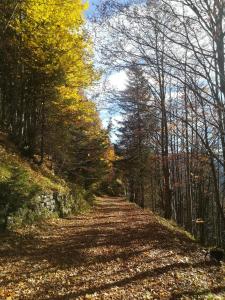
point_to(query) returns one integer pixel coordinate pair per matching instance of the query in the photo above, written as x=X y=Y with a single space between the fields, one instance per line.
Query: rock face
x=42 y=205
x=63 y=204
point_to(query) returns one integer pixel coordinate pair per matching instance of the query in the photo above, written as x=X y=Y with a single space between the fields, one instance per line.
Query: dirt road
x=117 y=251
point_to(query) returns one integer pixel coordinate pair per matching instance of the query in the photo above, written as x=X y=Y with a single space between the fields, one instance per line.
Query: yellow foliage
x=56 y=49
x=53 y=32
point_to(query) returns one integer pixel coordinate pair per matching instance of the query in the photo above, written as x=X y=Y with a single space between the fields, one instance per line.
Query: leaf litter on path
x=118 y=251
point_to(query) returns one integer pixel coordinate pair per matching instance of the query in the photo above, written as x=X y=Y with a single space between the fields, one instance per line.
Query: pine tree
x=136 y=127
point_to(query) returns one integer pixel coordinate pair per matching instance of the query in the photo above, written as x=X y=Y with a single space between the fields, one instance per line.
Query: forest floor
x=117 y=251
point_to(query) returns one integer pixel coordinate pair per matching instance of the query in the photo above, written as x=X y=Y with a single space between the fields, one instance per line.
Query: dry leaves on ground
x=118 y=251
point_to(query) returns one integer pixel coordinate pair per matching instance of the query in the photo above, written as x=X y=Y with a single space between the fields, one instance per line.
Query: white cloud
x=118 y=80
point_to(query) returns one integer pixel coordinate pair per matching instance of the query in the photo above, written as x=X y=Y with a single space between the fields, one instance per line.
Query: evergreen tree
x=135 y=132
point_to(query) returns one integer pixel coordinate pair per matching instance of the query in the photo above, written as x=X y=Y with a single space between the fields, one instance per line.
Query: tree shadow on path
x=117 y=246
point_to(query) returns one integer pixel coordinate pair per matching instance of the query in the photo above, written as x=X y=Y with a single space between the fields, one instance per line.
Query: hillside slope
x=29 y=192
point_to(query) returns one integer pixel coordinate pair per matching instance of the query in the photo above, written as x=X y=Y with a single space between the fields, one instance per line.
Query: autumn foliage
x=46 y=64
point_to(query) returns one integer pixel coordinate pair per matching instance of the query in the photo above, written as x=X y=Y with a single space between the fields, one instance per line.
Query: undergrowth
x=20 y=184
x=173 y=226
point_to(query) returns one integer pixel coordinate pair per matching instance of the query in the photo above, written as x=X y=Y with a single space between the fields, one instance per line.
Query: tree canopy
x=46 y=62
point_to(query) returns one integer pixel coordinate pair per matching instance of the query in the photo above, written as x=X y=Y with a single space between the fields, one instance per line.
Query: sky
x=116 y=81
x=92 y=4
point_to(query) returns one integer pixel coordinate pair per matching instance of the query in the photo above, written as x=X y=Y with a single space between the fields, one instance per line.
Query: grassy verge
x=20 y=185
x=172 y=226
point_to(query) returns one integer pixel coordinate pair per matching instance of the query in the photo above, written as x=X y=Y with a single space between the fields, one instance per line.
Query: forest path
x=117 y=251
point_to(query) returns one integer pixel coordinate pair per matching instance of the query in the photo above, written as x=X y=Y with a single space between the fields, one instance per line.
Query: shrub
x=15 y=193
x=26 y=216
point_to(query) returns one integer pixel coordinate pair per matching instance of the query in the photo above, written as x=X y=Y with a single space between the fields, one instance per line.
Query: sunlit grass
x=11 y=164
x=172 y=225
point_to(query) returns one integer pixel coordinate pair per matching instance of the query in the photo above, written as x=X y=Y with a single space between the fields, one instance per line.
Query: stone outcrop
x=63 y=204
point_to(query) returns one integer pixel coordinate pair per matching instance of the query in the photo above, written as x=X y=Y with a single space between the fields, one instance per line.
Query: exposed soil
x=117 y=251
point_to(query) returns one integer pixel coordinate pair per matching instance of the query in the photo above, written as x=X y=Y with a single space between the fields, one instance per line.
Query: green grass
x=11 y=165
x=172 y=226
x=21 y=183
